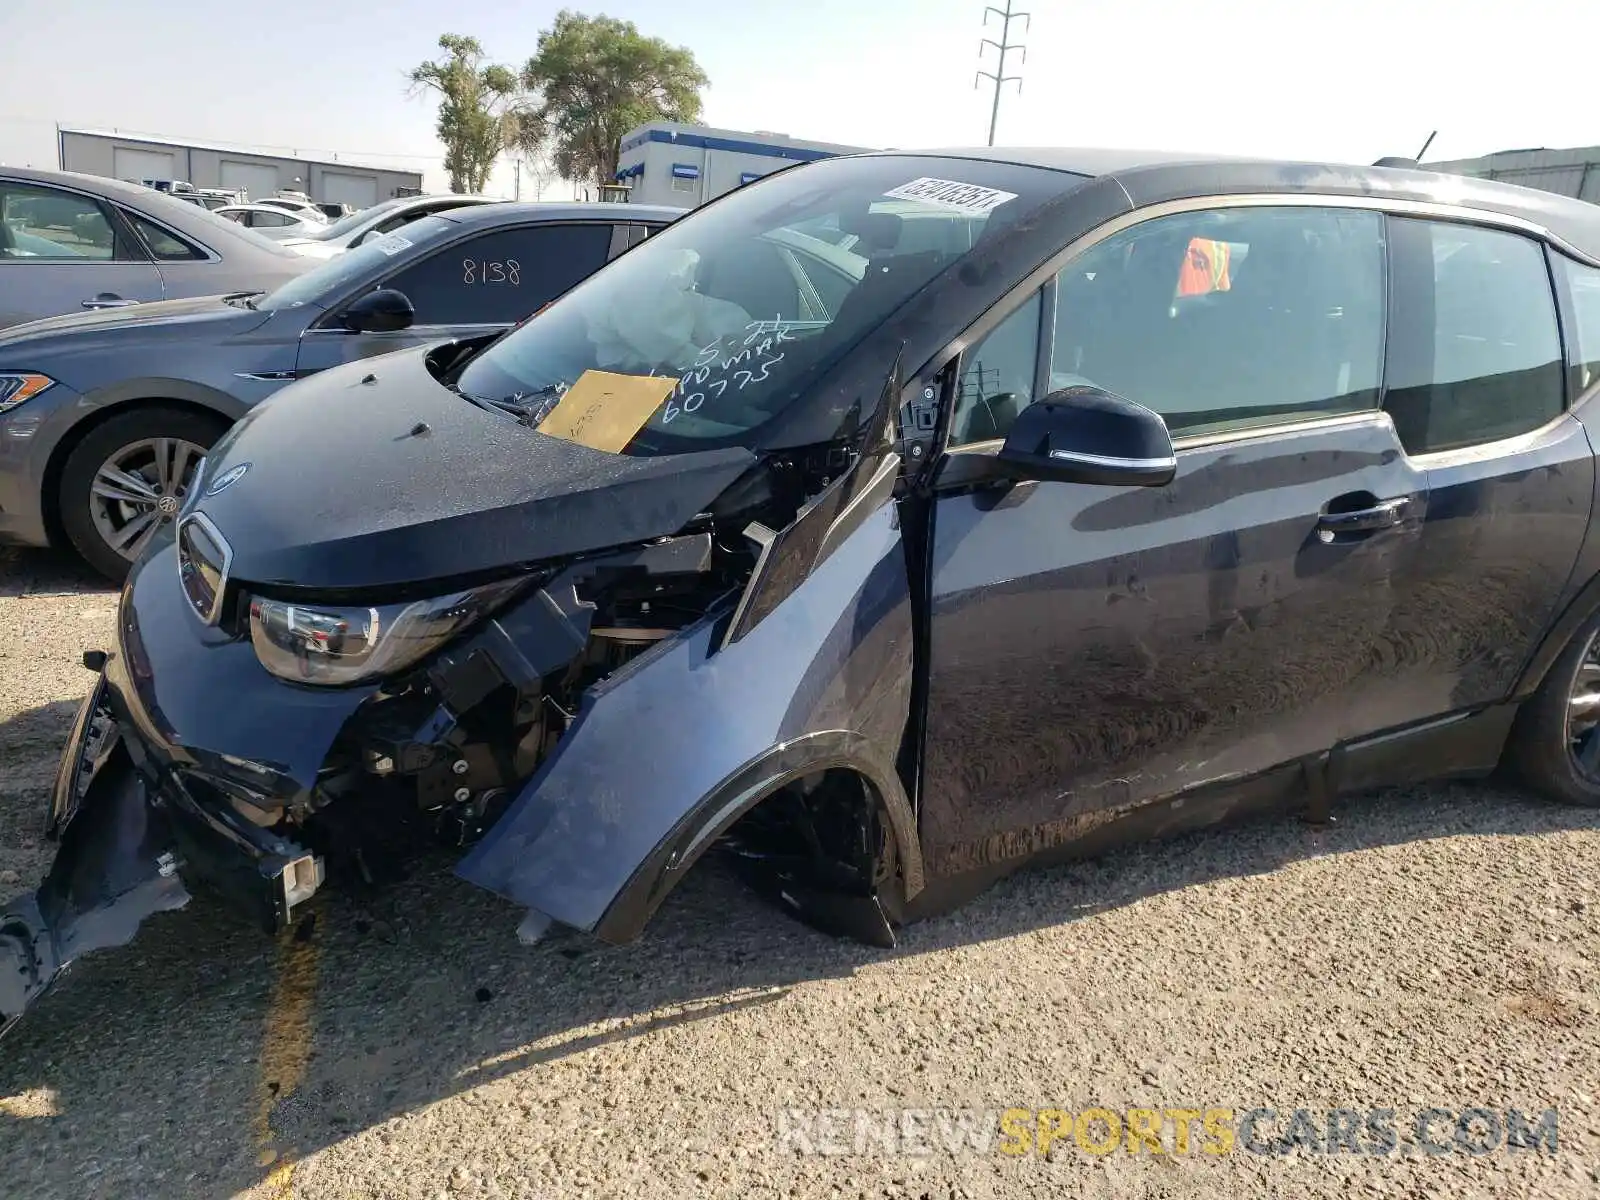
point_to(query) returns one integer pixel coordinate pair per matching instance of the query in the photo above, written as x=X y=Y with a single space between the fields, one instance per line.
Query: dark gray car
x=105 y=415
x=1114 y=495
x=70 y=242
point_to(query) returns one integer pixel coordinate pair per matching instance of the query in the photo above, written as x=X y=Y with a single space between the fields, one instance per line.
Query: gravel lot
x=1438 y=947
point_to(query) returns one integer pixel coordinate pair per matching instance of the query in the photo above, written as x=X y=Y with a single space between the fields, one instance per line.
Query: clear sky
x=1350 y=81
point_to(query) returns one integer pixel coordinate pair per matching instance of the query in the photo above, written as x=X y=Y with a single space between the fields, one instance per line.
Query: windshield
x=327 y=282
x=715 y=325
x=346 y=223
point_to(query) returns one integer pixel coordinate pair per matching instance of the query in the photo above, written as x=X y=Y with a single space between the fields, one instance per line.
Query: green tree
x=476 y=100
x=594 y=78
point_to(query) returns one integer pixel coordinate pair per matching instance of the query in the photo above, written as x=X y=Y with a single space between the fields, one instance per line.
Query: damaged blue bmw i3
x=887 y=524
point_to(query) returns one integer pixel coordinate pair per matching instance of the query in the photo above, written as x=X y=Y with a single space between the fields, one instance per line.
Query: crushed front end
x=600 y=718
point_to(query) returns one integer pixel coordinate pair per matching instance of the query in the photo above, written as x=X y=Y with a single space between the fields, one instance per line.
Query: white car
x=295 y=206
x=270 y=221
x=335 y=239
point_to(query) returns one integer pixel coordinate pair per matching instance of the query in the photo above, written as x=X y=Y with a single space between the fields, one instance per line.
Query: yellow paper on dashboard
x=603 y=410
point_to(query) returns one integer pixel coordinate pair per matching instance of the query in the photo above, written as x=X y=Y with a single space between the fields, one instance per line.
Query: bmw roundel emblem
x=227 y=479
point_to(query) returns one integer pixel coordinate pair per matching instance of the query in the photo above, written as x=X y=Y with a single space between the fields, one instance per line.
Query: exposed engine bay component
x=467 y=729
x=357 y=777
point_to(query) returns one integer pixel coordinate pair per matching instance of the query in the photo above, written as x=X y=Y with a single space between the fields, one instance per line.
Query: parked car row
x=122 y=405
x=215 y=198
x=375 y=221
x=889 y=523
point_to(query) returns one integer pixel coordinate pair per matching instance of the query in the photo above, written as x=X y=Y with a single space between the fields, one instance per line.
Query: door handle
x=108 y=300
x=1385 y=514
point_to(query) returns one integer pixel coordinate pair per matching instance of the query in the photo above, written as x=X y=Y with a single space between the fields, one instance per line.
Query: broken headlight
x=336 y=645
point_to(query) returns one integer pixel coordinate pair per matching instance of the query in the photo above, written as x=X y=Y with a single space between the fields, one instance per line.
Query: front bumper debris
x=114 y=867
x=125 y=823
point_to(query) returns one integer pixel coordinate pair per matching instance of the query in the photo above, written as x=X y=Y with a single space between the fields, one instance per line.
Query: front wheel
x=127 y=478
x=1555 y=744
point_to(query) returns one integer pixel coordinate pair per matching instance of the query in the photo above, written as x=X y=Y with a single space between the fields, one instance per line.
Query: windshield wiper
x=514 y=408
x=526 y=406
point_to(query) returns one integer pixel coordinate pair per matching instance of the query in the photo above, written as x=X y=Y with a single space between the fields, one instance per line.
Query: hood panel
x=339 y=493
x=180 y=317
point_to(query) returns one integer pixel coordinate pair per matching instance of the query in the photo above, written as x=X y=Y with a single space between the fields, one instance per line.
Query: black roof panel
x=1154 y=176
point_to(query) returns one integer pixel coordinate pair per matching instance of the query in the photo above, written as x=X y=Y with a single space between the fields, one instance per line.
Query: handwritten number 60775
x=483 y=271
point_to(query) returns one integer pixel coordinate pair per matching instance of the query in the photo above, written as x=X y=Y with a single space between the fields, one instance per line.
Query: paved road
x=1438 y=948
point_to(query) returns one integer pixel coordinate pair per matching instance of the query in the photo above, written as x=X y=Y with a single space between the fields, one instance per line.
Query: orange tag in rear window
x=603 y=410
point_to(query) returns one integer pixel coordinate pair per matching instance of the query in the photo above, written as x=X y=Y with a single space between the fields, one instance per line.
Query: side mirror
x=381 y=311
x=1086 y=435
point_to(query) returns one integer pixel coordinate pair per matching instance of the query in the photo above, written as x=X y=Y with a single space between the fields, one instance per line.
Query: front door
x=480 y=284
x=63 y=252
x=1095 y=649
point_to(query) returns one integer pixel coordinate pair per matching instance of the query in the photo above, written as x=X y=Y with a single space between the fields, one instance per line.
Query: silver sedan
x=71 y=242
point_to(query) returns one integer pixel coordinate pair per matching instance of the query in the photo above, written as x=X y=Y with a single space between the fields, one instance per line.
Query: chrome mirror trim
x=1116 y=462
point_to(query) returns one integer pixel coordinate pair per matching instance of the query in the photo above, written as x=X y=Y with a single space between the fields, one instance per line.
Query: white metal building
x=687 y=165
x=1567 y=172
x=117 y=156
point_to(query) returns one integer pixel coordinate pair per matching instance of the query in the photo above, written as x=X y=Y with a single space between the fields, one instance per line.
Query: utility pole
x=1005 y=45
x=517 y=163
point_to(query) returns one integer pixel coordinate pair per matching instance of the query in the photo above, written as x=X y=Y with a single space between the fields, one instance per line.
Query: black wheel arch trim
x=741 y=792
x=1581 y=608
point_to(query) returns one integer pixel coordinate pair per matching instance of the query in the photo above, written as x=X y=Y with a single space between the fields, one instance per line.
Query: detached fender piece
x=677 y=744
x=112 y=870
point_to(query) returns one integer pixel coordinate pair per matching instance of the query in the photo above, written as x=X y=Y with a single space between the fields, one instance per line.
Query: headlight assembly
x=335 y=645
x=18 y=386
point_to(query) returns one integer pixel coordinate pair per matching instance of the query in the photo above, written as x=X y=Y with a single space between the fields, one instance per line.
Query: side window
x=1229 y=318
x=43 y=223
x=270 y=220
x=996 y=377
x=1583 y=340
x=1474 y=348
x=167 y=247
x=497 y=278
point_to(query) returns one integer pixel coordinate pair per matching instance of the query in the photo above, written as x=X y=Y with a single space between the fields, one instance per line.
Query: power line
x=1005 y=45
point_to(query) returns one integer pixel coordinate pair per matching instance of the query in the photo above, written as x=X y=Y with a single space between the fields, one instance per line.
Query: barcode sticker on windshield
x=952 y=194
x=391 y=244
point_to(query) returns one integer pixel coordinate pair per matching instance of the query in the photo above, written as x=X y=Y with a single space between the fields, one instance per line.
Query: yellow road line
x=285 y=1050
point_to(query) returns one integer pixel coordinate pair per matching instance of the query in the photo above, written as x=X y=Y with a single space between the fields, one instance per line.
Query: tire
x=1555 y=743
x=155 y=447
